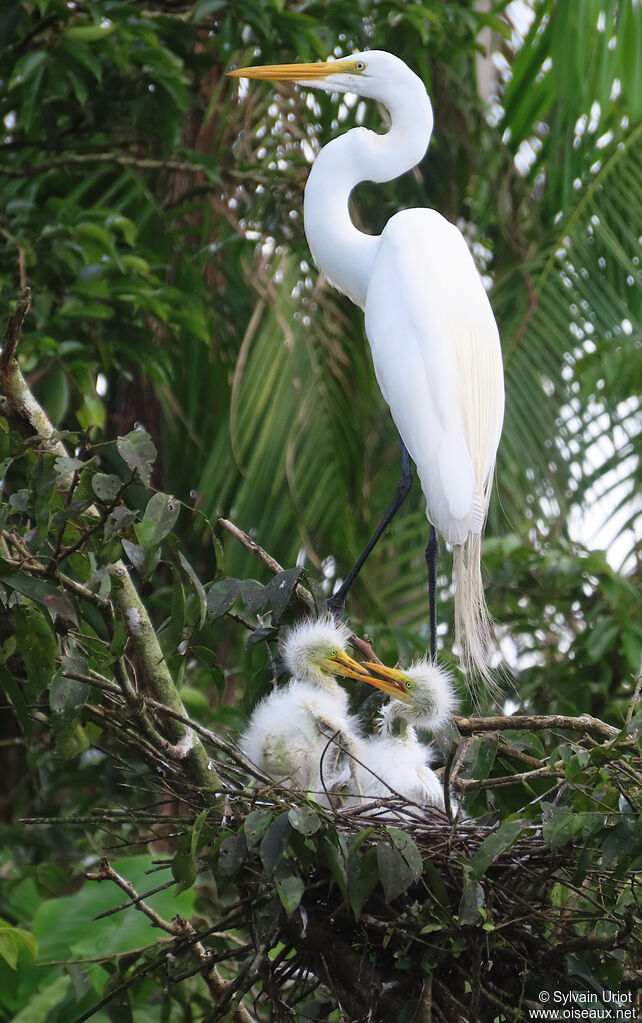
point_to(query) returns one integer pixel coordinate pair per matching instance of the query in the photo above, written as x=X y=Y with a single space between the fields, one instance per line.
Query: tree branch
x=179 y=929
x=124 y=597
x=535 y=722
x=363 y=646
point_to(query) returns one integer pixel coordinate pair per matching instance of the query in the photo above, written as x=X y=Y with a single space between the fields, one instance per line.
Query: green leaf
x=334 y=856
x=268 y=632
x=138 y=452
x=41 y=1006
x=289 y=886
x=208 y=659
x=254 y=595
x=560 y=825
x=9 y=947
x=159 y=519
x=12 y=939
x=256 y=824
x=472 y=900
x=39 y=590
x=71 y=739
x=67 y=695
x=14 y=692
x=221 y=596
x=89 y=33
x=304 y=820
x=406 y=846
x=493 y=845
x=119 y=519
x=26 y=67
x=65 y=466
x=395 y=872
x=105 y=486
x=38 y=645
x=273 y=841
x=184 y=865
x=197 y=585
x=362 y=879
x=203 y=8
x=280 y=590
x=231 y=855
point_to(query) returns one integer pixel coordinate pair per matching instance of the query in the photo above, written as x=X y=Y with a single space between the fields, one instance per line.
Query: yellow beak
x=291 y=72
x=343 y=664
x=389 y=680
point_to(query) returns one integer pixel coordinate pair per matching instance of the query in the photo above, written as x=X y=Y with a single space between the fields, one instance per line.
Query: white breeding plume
x=432 y=333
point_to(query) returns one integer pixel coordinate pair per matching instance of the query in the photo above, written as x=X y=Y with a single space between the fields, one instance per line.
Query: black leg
x=336 y=603
x=432 y=557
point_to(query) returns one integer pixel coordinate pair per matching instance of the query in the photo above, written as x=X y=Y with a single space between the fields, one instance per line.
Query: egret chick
x=302 y=735
x=422 y=697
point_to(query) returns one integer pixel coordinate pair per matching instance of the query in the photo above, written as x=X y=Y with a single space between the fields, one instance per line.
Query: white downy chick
x=422 y=696
x=302 y=734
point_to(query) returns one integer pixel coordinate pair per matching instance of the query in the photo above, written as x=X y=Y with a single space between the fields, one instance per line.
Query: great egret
x=307 y=721
x=422 y=697
x=432 y=333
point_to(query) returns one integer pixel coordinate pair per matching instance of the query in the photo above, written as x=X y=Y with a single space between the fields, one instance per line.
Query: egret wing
x=437 y=359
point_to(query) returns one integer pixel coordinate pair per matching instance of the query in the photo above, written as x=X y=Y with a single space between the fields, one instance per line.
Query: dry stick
x=304 y=595
x=464 y=784
x=124 y=598
x=532 y=722
x=178 y=928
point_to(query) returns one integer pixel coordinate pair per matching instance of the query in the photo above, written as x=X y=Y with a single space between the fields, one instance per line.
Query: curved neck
x=340 y=250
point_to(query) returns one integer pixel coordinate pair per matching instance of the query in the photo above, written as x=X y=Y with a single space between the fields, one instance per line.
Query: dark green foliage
x=195 y=366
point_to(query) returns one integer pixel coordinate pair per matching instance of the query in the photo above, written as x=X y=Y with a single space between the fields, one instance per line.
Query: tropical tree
x=188 y=405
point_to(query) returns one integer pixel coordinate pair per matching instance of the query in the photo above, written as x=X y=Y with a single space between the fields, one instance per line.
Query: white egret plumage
x=302 y=734
x=432 y=333
x=422 y=696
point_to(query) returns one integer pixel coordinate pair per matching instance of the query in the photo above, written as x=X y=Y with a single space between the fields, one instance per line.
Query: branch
x=124 y=597
x=533 y=722
x=179 y=929
x=363 y=646
x=30 y=170
x=20 y=400
x=465 y=784
x=266 y=559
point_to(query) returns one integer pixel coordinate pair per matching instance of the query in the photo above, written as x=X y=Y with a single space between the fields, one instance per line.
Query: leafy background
x=155 y=213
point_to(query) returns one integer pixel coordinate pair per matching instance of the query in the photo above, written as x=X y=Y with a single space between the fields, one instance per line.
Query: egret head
x=423 y=694
x=363 y=73
x=314 y=650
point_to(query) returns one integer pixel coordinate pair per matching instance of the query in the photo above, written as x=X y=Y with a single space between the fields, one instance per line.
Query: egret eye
x=360 y=66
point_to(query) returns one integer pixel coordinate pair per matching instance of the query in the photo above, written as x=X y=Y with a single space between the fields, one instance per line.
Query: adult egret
x=302 y=734
x=431 y=330
x=422 y=697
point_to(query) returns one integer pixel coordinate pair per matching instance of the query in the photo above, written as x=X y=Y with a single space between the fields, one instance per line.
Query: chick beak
x=342 y=664
x=389 y=680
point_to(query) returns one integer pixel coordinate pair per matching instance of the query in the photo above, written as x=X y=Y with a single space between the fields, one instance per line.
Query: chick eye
x=407 y=684
x=360 y=66
x=333 y=653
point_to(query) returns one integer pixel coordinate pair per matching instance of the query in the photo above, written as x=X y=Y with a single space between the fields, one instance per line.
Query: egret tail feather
x=474 y=632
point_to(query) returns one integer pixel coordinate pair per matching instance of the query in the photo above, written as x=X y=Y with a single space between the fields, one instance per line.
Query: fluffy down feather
x=288 y=734
x=392 y=764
